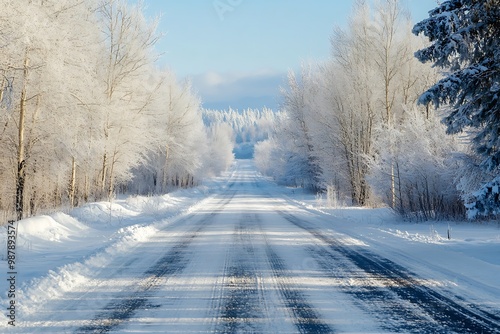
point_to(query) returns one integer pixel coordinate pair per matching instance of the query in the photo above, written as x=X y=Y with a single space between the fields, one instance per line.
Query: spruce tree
x=464 y=36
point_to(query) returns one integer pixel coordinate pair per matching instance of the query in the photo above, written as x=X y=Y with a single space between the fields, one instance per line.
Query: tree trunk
x=21 y=176
x=104 y=171
x=393 y=186
x=21 y=162
x=72 y=183
x=111 y=187
x=33 y=203
x=2 y=88
x=165 y=170
x=86 y=188
x=363 y=195
x=401 y=208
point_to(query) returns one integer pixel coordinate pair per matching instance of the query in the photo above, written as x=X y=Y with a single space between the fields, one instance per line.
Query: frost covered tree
x=219 y=155
x=83 y=105
x=184 y=137
x=185 y=150
x=354 y=98
x=249 y=126
x=362 y=123
x=423 y=165
x=129 y=93
x=465 y=36
x=48 y=46
x=302 y=162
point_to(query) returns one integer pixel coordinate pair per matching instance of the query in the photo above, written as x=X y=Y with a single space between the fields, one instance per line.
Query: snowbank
x=59 y=251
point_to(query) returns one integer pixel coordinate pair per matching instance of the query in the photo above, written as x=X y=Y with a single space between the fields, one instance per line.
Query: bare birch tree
x=129 y=42
x=45 y=55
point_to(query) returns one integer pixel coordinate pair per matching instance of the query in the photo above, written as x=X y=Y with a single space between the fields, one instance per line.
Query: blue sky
x=237 y=52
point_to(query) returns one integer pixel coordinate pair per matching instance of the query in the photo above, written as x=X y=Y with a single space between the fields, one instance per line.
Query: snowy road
x=249 y=260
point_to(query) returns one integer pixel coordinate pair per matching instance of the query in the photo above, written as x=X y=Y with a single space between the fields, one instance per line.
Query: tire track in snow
x=307 y=319
x=397 y=292
x=242 y=294
x=242 y=304
x=174 y=261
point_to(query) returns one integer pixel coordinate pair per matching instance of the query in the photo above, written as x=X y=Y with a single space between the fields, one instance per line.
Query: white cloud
x=230 y=88
x=212 y=79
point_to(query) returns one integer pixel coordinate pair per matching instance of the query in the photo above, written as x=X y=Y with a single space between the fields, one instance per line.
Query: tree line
x=248 y=126
x=366 y=124
x=85 y=111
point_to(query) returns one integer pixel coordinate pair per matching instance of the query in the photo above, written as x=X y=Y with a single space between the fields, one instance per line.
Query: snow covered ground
x=240 y=254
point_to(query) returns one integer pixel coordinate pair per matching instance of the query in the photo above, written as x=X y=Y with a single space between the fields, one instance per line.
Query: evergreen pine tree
x=464 y=36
